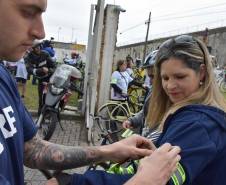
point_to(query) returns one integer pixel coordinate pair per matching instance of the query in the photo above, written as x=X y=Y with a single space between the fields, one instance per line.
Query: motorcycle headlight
x=56 y=90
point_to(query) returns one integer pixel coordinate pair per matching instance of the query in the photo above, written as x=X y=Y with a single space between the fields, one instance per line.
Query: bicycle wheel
x=48 y=125
x=97 y=132
x=113 y=114
x=223 y=86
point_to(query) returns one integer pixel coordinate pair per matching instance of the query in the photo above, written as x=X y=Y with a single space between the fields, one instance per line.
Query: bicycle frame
x=123 y=105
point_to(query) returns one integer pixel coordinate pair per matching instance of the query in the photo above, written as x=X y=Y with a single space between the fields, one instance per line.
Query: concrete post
x=93 y=57
x=107 y=52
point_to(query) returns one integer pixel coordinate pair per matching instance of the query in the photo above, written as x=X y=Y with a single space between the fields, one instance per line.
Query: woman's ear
x=202 y=72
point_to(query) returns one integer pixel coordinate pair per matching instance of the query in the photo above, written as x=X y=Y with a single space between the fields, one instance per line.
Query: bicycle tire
x=116 y=114
x=48 y=125
x=223 y=86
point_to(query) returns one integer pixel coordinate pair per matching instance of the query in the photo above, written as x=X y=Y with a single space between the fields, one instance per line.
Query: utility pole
x=59 y=28
x=146 y=39
x=72 y=35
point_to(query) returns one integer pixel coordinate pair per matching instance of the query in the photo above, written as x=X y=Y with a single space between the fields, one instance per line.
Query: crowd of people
x=184 y=106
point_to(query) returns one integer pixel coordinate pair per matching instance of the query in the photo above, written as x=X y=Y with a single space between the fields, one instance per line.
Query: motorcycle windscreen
x=60 y=77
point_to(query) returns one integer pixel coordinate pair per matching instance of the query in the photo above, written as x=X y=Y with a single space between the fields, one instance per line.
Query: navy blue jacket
x=200 y=131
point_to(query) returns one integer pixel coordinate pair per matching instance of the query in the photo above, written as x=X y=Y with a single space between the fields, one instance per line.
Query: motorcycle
x=55 y=96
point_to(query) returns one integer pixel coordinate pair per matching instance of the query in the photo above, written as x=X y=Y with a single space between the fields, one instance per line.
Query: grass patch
x=31 y=97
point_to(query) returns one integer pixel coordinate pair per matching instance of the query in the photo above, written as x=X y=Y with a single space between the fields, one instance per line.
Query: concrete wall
x=216 y=40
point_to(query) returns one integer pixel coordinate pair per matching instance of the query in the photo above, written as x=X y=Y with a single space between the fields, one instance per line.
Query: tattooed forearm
x=45 y=155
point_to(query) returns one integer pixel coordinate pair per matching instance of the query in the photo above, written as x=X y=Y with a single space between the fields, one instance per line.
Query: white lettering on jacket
x=1 y=148
x=10 y=120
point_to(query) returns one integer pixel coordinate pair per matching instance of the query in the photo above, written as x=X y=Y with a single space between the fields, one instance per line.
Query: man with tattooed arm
x=20 y=24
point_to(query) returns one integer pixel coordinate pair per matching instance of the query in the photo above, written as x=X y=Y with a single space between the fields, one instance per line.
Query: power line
x=155 y=19
x=132 y=27
x=193 y=15
x=192 y=10
x=153 y=36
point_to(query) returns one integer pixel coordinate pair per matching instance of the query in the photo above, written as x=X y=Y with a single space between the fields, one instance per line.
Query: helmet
x=150 y=59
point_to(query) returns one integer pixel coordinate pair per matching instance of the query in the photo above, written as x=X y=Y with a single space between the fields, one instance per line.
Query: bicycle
x=112 y=115
x=105 y=137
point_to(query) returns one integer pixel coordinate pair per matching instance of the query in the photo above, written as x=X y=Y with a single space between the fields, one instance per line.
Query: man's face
x=37 y=49
x=20 y=24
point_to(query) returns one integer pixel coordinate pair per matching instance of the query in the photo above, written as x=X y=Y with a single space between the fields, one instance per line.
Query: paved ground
x=74 y=134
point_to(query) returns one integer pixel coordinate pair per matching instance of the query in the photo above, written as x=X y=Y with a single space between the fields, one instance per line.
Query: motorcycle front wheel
x=48 y=125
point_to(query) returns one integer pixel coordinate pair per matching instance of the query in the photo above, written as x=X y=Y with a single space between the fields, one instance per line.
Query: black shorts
x=22 y=80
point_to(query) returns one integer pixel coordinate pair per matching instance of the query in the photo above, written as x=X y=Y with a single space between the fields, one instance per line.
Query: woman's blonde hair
x=193 y=53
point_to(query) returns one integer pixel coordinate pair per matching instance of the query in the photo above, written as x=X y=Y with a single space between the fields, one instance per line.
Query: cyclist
x=47 y=45
x=138 y=120
x=41 y=65
x=21 y=76
x=120 y=81
x=129 y=61
x=73 y=60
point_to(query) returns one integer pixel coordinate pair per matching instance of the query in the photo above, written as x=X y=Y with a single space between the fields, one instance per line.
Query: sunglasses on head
x=182 y=39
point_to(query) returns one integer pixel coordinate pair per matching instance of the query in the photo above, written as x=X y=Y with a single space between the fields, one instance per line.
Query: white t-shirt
x=21 y=71
x=122 y=80
x=129 y=71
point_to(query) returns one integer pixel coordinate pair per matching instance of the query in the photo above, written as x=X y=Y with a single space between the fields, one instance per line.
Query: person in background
x=41 y=65
x=120 y=80
x=187 y=106
x=138 y=120
x=73 y=60
x=47 y=46
x=129 y=61
x=138 y=62
x=11 y=66
x=21 y=76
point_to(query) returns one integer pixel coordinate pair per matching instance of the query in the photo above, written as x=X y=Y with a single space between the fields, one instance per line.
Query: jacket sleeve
x=138 y=119
x=50 y=63
x=4 y=181
x=29 y=64
x=197 y=148
x=116 y=88
x=136 y=83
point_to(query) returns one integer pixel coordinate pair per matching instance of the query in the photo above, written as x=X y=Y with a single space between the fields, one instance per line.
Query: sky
x=68 y=20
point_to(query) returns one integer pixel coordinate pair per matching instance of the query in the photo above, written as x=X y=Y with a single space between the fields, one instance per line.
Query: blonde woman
x=188 y=108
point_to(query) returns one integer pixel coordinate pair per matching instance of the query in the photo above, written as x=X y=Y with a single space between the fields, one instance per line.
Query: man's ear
x=202 y=72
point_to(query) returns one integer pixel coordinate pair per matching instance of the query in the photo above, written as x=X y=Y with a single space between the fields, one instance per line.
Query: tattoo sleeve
x=45 y=155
